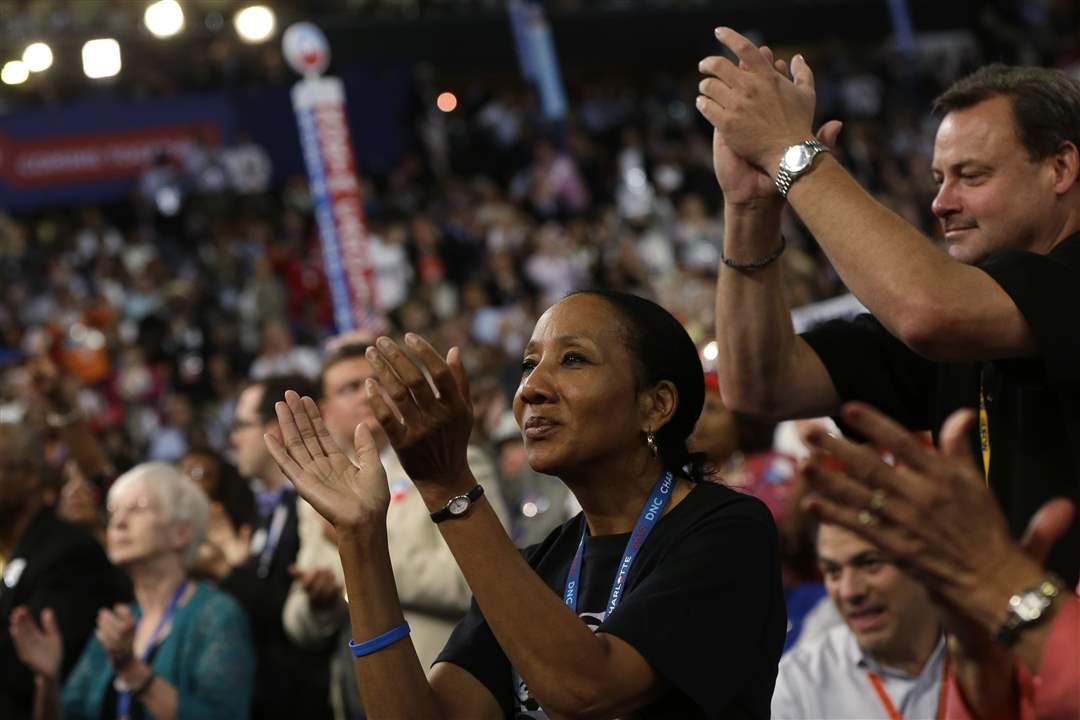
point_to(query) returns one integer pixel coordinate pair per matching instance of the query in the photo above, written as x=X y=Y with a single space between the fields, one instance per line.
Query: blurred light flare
x=37 y=57
x=447 y=102
x=14 y=72
x=101 y=58
x=164 y=18
x=255 y=23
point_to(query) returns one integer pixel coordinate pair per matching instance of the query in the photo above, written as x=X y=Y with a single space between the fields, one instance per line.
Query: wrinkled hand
x=320 y=585
x=116 y=633
x=756 y=111
x=428 y=423
x=933 y=512
x=349 y=496
x=40 y=648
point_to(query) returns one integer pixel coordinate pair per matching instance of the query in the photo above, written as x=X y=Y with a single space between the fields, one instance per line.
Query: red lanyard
x=879 y=687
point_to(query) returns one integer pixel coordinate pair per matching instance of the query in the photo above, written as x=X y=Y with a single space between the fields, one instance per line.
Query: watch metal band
x=1027 y=608
x=785 y=177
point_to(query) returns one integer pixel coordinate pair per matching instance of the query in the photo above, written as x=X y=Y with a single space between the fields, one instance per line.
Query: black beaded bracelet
x=756 y=264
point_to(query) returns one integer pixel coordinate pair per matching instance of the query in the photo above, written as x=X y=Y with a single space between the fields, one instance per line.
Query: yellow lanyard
x=984 y=429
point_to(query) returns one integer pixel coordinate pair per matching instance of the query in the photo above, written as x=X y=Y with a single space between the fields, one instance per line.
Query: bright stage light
x=711 y=351
x=14 y=72
x=101 y=58
x=37 y=57
x=164 y=18
x=446 y=102
x=255 y=23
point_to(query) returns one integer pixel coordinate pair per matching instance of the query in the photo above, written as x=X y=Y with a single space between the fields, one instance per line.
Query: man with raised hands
x=983 y=325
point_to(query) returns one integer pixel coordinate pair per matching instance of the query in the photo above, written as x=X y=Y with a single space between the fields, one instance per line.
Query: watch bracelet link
x=1048 y=590
x=785 y=178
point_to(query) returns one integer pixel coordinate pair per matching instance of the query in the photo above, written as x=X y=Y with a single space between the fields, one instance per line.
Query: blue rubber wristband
x=378 y=643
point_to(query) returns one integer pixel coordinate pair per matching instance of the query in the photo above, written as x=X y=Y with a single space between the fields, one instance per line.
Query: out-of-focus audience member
x=233 y=514
x=44 y=563
x=1017 y=628
x=888 y=657
x=290 y=680
x=182 y=650
x=281 y=356
x=738 y=447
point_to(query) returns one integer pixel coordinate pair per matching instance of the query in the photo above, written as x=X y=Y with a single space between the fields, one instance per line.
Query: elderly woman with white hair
x=183 y=650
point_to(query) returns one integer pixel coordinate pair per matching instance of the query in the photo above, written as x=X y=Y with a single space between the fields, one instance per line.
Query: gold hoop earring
x=650 y=440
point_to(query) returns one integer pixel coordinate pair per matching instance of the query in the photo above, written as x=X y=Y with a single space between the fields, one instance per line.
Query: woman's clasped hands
x=423 y=408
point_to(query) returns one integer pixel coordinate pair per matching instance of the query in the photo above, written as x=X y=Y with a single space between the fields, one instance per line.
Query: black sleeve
x=75 y=586
x=1046 y=290
x=710 y=618
x=867 y=363
x=473 y=647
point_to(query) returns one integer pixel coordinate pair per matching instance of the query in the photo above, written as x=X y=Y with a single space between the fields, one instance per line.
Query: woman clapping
x=183 y=650
x=662 y=599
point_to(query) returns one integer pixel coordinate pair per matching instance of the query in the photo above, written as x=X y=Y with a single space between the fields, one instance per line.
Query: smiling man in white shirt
x=888 y=658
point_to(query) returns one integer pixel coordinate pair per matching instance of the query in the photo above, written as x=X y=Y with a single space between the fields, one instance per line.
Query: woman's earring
x=650 y=440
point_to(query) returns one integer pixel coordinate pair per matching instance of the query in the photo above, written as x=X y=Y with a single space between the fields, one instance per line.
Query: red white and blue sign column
x=319 y=103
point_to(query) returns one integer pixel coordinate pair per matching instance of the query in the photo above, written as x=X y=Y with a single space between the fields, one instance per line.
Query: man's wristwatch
x=1027 y=608
x=795 y=161
x=458 y=505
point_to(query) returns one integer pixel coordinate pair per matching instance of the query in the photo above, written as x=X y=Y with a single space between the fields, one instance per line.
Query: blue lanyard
x=654 y=508
x=123 y=700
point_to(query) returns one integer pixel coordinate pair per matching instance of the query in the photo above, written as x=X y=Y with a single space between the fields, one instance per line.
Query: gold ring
x=867 y=518
x=877 y=500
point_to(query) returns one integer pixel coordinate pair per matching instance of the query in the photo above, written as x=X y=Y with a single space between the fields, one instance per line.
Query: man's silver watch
x=796 y=160
x=1026 y=608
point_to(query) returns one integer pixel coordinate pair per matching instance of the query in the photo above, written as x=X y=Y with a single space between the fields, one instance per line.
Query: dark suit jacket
x=290 y=681
x=62 y=568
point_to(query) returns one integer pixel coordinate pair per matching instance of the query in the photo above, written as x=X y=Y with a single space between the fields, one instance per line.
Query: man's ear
x=1066 y=165
x=658 y=405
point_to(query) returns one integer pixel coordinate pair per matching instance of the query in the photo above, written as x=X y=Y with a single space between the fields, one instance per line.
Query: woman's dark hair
x=662 y=350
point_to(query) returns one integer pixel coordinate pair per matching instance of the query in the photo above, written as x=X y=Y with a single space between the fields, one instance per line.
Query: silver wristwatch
x=796 y=160
x=1026 y=608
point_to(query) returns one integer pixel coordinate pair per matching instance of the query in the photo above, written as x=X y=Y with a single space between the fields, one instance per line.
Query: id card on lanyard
x=123 y=699
x=650 y=514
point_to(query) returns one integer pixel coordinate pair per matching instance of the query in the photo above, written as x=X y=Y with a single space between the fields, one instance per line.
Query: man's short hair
x=274 y=387
x=1045 y=103
x=348 y=351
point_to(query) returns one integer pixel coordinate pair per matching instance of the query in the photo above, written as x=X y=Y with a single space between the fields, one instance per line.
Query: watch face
x=1030 y=606
x=796 y=158
x=458 y=505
